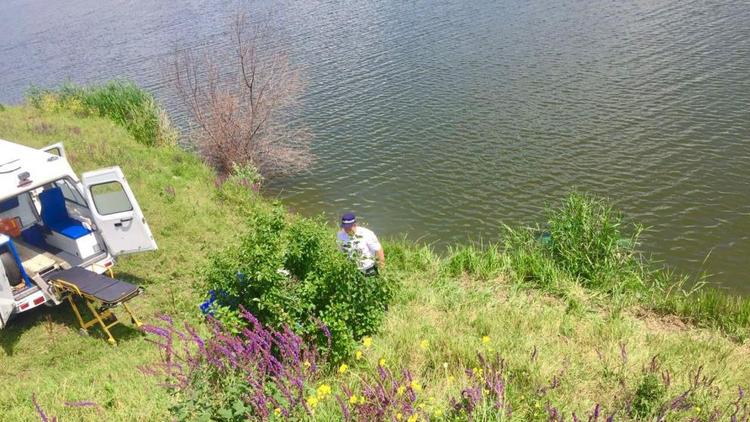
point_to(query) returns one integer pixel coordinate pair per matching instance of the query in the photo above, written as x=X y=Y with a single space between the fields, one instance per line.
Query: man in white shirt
x=361 y=244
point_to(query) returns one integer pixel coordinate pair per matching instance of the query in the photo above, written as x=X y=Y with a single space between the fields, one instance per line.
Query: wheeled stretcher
x=101 y=294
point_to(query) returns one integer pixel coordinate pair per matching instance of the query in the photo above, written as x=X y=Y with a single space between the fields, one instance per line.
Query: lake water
x=443 y=120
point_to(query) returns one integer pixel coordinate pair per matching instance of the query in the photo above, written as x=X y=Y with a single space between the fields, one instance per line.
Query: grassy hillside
x=568 y=351
x=40 y=352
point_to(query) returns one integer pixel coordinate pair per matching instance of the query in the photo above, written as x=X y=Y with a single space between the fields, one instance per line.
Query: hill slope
x=569 y=353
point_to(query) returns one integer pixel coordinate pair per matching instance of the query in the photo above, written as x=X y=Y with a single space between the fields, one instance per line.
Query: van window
x=70 y=193
x=19 y=207
x=8 y=204
x=110 y=198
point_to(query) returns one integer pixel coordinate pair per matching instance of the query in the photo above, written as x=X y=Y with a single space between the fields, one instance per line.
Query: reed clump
x=121 y=101
x=585 y=242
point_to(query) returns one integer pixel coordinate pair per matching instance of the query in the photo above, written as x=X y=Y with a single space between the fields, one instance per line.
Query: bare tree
x=240 y=97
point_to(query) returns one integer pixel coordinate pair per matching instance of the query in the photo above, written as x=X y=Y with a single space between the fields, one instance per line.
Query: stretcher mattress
x=108 y=290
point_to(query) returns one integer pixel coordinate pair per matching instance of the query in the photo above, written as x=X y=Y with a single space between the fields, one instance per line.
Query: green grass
x=41 y=351
x=123 y=102
x=514 y=293
x=580 y=344
x=590 y=246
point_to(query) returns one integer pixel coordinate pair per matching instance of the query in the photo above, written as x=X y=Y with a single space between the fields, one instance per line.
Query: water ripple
x=444 y=119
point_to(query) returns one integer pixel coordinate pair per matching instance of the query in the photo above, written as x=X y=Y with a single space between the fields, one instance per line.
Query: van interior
x=51 y=230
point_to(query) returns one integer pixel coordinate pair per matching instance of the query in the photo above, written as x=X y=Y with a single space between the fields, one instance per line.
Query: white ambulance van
x=50 y=220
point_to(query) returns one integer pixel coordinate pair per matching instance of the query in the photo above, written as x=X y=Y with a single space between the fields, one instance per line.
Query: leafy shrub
x=123 y=102
x=292 y=273
x=246 y=173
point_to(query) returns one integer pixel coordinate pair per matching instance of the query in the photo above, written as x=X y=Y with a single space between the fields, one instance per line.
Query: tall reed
x=123 y=102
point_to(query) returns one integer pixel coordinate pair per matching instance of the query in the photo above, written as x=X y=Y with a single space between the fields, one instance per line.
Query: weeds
x=262 y=374
x=256 y=373
x=123 y=102
x=587 y=243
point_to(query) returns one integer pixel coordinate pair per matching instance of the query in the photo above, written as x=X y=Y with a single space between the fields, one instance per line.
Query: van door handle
x=123 y=220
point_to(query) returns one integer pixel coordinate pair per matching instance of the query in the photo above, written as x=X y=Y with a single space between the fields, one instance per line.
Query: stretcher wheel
x=83 y=332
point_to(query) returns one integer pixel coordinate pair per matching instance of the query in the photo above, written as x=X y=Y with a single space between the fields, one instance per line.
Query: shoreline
x=452 y=302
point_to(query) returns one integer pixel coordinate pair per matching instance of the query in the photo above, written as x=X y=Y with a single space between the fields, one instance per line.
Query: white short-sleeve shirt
x=362 y=244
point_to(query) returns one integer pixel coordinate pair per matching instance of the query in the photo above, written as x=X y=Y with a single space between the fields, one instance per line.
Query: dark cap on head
x=348 y=220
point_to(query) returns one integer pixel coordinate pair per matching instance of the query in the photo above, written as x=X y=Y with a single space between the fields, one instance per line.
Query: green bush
x=292 y=273
x=123 y=102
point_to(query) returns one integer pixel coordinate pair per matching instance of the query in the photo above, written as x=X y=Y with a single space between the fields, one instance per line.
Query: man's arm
x=376 y=248
x=381 y=257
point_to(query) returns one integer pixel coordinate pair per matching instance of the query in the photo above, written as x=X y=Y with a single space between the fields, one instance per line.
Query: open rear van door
x=55 y=149
x=7 y=303
x=116 y=212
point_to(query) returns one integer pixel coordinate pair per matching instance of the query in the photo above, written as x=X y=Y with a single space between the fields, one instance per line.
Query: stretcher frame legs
x=100 y=315
x=100 y=318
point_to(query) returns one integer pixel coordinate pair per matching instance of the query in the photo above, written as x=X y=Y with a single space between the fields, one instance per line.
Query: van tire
x=11 y=268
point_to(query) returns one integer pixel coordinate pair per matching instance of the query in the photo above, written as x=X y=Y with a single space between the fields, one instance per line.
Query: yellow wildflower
x=697 y=409
x=323 y=391
x=399 y=416
x=438 y=413
x=367 y=342
x=400 y=390
x=413 y=418
x=277 y=411
x=306 y=364
x=361 y=399
x=343 y=368
x=417 y=387
x=48 y=103
x=485 y=339
x=451 y=378
x=312 y=401
x=381 y=362
x=353 y=399
x=358 y=354
x=424 y=344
